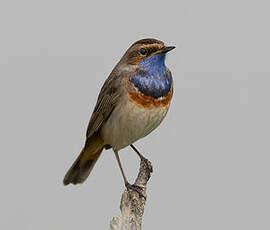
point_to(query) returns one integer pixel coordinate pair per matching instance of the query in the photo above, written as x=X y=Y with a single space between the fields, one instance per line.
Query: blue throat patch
x=152 y=79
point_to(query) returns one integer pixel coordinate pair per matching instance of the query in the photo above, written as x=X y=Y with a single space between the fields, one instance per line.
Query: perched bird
x=133 y=101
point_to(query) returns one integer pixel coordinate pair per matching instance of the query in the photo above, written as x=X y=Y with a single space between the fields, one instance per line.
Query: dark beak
x=167 y=49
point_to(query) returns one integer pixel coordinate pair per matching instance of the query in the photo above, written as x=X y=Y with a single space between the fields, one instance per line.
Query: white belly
x=130 y=122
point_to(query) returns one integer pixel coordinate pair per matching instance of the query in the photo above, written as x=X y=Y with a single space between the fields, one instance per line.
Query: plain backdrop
x=211 y=153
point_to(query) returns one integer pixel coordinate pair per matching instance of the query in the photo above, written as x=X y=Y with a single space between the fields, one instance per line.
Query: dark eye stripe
x=154 y=49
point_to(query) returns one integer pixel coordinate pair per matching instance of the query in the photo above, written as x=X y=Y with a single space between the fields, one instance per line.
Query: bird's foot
x=135 y=188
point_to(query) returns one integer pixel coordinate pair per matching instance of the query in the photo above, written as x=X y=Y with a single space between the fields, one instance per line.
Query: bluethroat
x=133 y=101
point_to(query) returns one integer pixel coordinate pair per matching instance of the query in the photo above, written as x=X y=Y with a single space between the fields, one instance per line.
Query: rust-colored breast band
x=147 y=101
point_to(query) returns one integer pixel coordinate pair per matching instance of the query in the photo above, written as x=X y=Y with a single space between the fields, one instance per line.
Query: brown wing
x=107 y=99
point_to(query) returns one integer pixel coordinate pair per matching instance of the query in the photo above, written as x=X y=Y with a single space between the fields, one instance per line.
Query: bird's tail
x=85 y=162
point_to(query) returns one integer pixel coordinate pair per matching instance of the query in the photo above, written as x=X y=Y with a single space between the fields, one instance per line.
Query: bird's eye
x=143 y=51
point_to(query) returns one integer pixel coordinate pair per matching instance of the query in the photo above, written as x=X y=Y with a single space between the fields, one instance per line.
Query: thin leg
x=120 y=166
x=127 y=184
x=136 y=150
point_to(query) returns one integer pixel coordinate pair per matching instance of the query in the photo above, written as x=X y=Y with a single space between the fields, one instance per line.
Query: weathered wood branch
x=132 y=203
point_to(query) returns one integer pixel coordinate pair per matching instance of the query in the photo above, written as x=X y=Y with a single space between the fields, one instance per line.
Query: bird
x=132 y=102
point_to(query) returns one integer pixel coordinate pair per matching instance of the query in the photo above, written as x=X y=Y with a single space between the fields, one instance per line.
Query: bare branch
x=132 y=203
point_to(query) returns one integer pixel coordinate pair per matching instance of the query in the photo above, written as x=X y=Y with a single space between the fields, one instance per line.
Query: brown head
x=144 y=48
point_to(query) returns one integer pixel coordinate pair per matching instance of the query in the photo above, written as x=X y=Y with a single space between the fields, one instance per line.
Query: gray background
x=210 y=155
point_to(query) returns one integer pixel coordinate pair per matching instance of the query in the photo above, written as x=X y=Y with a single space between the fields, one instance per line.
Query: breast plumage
x=152 y=82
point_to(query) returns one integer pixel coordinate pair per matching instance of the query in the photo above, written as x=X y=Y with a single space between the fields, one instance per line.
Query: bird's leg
x=141 y=156
x=120 y=166
x=127 y=184
x=138 y=153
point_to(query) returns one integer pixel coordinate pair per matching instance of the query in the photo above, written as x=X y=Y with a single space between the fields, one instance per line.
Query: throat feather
x=152 y=78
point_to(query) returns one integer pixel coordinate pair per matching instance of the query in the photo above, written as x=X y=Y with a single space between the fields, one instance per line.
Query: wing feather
x=106 y=102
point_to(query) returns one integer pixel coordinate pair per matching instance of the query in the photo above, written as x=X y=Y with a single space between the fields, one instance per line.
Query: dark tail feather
x=84 y=164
